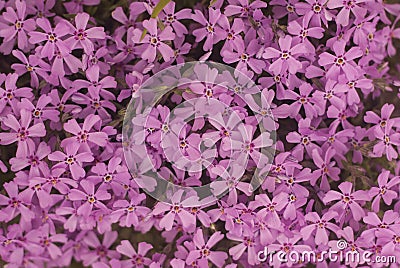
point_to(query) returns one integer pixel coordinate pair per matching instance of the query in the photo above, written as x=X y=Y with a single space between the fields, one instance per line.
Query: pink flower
x=347 y=199
x=52 y=37
x=16 y=26
x=341 y=62
x=137 y=258
x=90 y=198
x=21 y=131
x=210 y=29
x=384 y=190
x=72 y=160
x=285 y=58
x=153 y=41
x=82 y=37
x=84 y=136
x=203 y=252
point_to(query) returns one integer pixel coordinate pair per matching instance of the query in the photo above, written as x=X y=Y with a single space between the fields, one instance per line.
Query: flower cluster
x=323 y=91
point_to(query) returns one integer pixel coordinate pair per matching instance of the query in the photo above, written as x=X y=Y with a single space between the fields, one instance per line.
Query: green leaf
x=212 y=3
x=157 y=9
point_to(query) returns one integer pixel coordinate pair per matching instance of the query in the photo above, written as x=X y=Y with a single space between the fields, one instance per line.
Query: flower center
x=285 y=55
x=91 y=199
x=304 y=33
x=386 y=139
x=346 y=198
x=205 y=252
x=290 y=8
x=210 y=28
x=340 y=61
x=52 y=37
x=70 y=160
x=317 y=8
x=177 y=209
x=19 y=25
x=108 y=178
x=80 y=35
x=183 y=144
x=383 y=190
x=22 y=134
x=153 y=40
x=37 y=113
x=165 y=128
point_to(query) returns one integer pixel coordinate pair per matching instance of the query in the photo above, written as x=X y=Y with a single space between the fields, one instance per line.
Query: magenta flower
x=128 y=213
x=243 y=7
x=84 y=135
x=89 y=197
x=154 y=41
x=326 y=167
x=287 y=245
x=389 y=220
x=286 y=57
x=53 y=38
x=233 y=32
x=347 y=5
x=320 y=225
x=347 y=200
x=305 y=138
x=46 y=241
x=16 y=26
x=135 y=9
x=245 y=56
x=32 y=64
x=171 y=18
x=247 y=243
x=175 y=212
x=41 y=112
x=210 y=28
x=137 y=258
x=246 y=145
x=99 y=252
x=384 y=190
x=316 y=9
x=203 y=252
x=72 y=160
x=387 y=138
x=14 y=204
x=34 y=159
x=82 y=37
x=21 y=131
x=341 y=62
x=270 y=209
x=11 y=93
x=302 y=100
x=382 y=120
x=303 y=31
x=112 y=176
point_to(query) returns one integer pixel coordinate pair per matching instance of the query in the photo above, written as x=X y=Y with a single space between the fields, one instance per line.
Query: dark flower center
x=317 y=8
x=91 y=199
